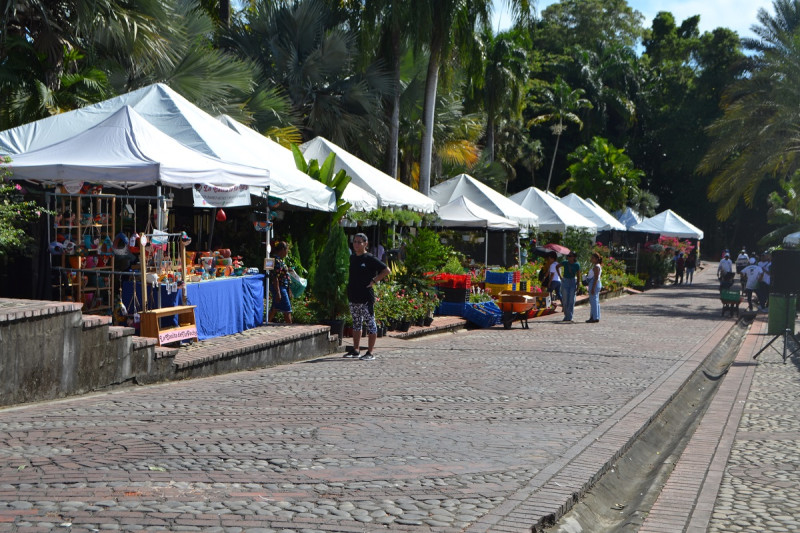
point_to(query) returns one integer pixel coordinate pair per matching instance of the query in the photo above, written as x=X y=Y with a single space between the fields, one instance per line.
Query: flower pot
x=420 y=322
x=427 y=321
x=337 y=328
x=404 y=325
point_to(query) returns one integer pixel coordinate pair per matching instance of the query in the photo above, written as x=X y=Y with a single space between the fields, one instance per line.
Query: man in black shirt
x=365 y=272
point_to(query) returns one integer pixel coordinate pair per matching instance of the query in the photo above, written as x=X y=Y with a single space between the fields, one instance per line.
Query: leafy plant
x=330 y=278
x=15 y=213
x=424 y=253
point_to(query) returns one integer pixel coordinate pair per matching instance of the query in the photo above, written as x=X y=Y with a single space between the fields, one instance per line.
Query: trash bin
x=777 y=313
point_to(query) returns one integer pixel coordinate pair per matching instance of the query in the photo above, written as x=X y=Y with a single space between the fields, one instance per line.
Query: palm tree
x=449 y=25
x=758 y=137
x=562 y=102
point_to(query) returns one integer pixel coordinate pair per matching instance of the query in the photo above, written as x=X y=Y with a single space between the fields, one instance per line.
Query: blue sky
x=737 y=15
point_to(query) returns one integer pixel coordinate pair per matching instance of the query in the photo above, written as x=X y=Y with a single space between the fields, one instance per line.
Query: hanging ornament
x=185 y=239
x=221 y=216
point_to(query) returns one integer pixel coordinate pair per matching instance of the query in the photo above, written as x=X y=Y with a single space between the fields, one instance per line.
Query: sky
x=737 y=15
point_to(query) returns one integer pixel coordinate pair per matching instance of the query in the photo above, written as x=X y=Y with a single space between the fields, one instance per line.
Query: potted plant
x=330 y=280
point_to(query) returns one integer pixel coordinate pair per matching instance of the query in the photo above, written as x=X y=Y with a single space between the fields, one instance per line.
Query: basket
x=451 y=309
x=479 y=316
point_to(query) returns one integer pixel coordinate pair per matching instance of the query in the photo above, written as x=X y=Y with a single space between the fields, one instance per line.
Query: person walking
x=594 y=285
x=279 y=281
x=569 y=271
x=554 y=279
x=752 y=275
x=763 y=286
x=680 y=266
x=365 y=272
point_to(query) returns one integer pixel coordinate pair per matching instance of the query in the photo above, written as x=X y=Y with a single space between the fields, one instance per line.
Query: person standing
x=570 y=271
x=763 y=286
x=279 y=290
x=680 y=266
x=725 y=269
x=365 y=272
x=691 y=265
x=594 y=285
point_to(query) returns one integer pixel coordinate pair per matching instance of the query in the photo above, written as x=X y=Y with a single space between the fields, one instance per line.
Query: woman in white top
x=555 y=278
x=594 y=285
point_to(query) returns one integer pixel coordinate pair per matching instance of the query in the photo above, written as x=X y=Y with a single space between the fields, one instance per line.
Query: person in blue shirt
x=570 y=271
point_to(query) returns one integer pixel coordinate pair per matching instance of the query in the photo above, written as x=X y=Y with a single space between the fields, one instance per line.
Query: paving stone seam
x=639 y=412
x=703 y=461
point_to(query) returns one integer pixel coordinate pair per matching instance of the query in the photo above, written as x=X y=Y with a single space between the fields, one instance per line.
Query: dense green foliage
x=426 y=89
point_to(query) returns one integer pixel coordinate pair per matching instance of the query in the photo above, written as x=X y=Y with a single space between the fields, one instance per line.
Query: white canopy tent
x=553 y=215
x=308 y=192
x=793 y=239
x=483 y=196
x=388 y=191
x=589 y=209
x=125 y=150
x=465 y=214
x=628 y=217
x=668 y=223
x=176 y=117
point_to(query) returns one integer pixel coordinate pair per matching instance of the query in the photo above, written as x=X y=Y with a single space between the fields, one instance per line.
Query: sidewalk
x=487 y=430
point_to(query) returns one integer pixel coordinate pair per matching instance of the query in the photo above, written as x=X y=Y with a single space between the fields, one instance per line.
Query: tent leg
x=486 y=249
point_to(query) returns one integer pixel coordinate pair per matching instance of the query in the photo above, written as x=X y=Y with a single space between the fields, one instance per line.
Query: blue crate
x=451 y=309
x=491 y=307
x=500 y=278
x=480 y=316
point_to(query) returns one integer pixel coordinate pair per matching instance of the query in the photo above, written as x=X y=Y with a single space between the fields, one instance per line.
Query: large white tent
x=589 y=209
x=628 y=217
x=793 y=239
x=670 y=224
x=388 y=191
x=124 y=150
x=178 y=118
x=465 y=214
x=553 y=215
x=483 y=196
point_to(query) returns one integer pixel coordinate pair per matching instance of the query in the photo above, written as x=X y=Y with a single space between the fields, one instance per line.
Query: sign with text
x=177 y=335
x=211 y=196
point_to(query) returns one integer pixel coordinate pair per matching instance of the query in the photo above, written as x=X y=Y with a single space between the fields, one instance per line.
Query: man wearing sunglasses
x=365 y=272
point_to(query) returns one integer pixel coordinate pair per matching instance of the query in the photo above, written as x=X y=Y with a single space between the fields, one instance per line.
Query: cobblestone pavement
x=443 y=433
x=760 y=488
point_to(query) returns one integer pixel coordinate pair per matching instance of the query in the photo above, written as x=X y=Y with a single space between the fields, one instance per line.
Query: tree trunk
x=225 y=13
x=490 y=138
x=428 y=114
x=394 y=120
x=552 y=164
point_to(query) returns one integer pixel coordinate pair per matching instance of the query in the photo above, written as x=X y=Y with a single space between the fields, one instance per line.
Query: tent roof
x=178 y=118
x=125 y=150
x=668 y=223
x=293 y=186
x=628 y=217
x=463 y=213
x=588 y=208
x=793 y=239
x=483 y=196
x=386 y=189
x=553 y=215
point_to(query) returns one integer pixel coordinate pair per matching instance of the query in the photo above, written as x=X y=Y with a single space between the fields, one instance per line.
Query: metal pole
x=486 y=248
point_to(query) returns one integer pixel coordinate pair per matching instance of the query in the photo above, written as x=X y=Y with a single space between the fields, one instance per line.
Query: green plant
x=304 y=311
x=453 y=265
x=424 y=253
x=478 y=296
x=15 y=212
x=330 y=278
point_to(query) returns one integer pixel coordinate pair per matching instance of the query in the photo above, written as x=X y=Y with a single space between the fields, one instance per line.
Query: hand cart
x=731 y=299
x=515 y=307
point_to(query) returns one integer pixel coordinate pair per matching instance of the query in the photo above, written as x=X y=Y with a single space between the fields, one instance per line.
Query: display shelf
x=76 y=273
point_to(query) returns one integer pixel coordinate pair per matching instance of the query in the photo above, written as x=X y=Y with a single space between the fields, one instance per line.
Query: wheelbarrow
x=731 y=299
x=515 y=307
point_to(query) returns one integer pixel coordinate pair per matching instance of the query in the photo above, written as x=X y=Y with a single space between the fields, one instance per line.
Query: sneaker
x=592 y=321
x=367 y=357
x=351 y=353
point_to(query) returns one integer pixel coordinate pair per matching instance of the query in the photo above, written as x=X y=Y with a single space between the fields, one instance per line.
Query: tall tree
x=561 y=103
x=757 y=137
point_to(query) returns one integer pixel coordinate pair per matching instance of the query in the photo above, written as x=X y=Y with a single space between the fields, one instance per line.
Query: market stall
x=125 y=151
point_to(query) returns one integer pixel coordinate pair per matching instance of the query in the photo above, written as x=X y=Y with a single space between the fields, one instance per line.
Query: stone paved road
x=437 y=434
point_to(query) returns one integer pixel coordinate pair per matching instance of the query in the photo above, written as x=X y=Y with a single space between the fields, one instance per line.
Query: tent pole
x=160 y=213
x=486 y=248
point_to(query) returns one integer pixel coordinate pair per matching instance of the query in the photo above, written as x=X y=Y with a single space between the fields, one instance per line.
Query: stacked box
x=454 y=295
x=453 y=281
x=496 y=288
x=542 y=302
x=499 y=278
x=479 y=316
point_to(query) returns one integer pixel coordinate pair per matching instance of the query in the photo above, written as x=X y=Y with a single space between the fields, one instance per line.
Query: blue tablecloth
x=227 y=305
x=224 y=306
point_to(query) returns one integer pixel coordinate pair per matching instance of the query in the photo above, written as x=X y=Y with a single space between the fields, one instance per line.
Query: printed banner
x=177 y=335
x=210 y=196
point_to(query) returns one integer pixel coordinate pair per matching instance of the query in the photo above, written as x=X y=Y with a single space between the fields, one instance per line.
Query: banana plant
x=325 y=175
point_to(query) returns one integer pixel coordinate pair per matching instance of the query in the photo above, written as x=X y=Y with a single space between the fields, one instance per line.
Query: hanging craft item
x=221 y=216
x=120 y=245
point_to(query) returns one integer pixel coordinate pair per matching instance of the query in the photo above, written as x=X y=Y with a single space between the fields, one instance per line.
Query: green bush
x=330 y=279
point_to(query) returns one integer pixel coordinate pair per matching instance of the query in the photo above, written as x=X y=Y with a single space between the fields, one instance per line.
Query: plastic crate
x=454 y=295
x=492 y=308
x=451 y=309
x=728 y=295
x=496 y=288
x=480 y=316
x=499 y=278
